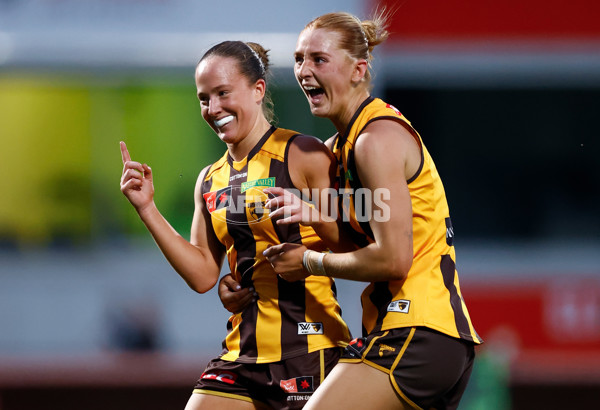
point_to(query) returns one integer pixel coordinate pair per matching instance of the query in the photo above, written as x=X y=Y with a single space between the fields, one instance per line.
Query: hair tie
x=260 y=62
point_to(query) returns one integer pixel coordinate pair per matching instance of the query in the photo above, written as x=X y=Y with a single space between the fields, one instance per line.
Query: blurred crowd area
x=504 y=97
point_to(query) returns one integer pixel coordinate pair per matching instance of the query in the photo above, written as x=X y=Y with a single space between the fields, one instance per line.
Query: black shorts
x=287 y=384
x=427 y=368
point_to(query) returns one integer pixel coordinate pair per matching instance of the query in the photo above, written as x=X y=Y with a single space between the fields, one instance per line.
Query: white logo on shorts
x=308 y=328
x=400 y=306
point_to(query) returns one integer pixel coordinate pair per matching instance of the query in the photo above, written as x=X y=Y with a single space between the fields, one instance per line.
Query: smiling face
x=230 y=104
x=329 y=77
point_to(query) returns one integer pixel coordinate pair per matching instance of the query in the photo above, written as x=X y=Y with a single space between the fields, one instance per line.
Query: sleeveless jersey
x=430 y=296
x=289 y=318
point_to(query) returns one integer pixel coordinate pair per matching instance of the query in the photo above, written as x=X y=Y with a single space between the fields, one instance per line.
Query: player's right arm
x=198 y=261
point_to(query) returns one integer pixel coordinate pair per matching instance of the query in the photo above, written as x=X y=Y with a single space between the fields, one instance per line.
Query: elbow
x=397 y=268
x=202 y=285
x=400 y=261
x=199 y=288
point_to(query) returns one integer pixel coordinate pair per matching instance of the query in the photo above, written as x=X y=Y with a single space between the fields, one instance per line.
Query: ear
x=360 y=70
x=260 y=88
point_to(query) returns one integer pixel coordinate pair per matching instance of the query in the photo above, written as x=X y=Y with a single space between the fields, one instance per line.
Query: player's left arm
x=386 y=155
x=312 y=168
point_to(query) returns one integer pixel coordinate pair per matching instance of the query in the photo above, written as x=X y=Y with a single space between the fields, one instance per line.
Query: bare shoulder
x=385 y=131
x=305 y=148
x=309 y=161
x=388 y=143
x=308 y=144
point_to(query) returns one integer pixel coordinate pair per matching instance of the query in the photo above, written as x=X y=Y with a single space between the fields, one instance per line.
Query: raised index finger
x=124 y=153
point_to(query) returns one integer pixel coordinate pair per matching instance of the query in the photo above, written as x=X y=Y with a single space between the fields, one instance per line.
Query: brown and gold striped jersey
x=289 y=318
x=431 y=294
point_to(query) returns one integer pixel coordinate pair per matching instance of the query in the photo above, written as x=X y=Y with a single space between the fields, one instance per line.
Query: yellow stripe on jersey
x=288 y=319
x=431 y=295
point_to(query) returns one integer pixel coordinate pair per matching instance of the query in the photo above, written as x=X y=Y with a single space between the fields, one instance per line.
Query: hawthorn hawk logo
x=257 y=209
x=308 y=328
x=400 y=306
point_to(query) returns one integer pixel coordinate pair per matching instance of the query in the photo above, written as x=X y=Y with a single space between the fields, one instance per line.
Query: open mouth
x=314 y=92
x=225 y=120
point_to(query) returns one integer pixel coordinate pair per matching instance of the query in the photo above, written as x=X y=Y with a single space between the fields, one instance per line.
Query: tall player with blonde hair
x=417 y=348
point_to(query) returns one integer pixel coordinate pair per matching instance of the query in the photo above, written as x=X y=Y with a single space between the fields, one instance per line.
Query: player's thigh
x=356 y=386
x=210 y=402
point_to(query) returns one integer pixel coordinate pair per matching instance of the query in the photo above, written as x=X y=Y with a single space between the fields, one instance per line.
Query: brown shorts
x=287 y=384
x=427 y=368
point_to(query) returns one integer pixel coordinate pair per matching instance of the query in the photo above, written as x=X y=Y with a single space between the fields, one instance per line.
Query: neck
x=342 y=121
x=240 y=150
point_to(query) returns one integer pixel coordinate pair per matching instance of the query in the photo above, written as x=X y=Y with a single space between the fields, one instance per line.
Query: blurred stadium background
x=505 y=95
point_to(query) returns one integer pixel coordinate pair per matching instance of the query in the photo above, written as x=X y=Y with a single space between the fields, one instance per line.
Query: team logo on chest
x=256 y=210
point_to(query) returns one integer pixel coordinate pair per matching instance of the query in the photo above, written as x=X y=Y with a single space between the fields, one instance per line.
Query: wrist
x=147 y=210
x=313 y=263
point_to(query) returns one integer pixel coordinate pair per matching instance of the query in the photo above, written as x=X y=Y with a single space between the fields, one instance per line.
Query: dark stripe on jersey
x=204 y=188
x=292 y=301
x=286 y=168
x=206 y=185
x=261 y=142
x=411 y=179
x=279 y=170
x=381 y=298
x=335 y=146
x=245 y=246
x=448 y=269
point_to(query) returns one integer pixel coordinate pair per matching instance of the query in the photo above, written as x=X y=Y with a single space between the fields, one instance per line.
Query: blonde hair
x=358 y=38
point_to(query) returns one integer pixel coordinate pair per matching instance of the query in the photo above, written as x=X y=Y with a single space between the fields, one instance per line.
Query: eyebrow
x=312 y=54
x=217 y=88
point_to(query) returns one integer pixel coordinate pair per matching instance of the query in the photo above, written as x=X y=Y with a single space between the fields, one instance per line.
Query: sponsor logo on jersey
x=262 y=182
x=383 y=348
x=242 y=209
x=216 y=200
x=296 y=397
x=396 y=110
x=220 y=375
x=238 y=176
x=303 y=384
x=449 y=232
x=308 y=328
x=400 y=306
